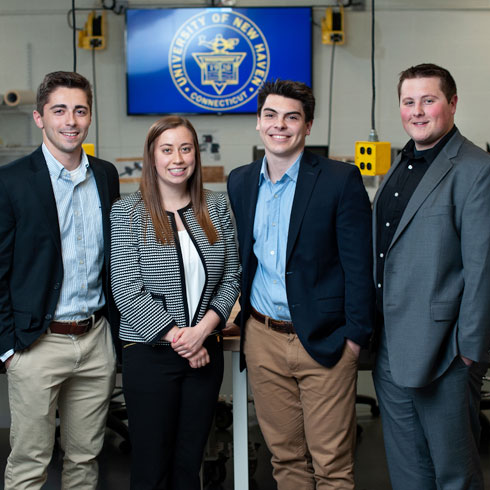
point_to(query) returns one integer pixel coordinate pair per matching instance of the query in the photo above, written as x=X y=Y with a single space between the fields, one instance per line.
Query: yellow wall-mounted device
x=89 y=149
x=92 y=36
x=373 y=157
x=333 y=26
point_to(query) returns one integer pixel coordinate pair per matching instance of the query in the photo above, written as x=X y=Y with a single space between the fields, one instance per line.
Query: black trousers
x=170 y=411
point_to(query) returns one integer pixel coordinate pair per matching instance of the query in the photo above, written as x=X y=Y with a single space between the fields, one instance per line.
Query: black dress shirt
x=394 y=199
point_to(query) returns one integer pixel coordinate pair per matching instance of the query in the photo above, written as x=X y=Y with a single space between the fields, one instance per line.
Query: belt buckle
x=87 y=322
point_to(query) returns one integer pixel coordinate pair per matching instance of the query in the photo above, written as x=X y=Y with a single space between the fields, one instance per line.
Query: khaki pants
x=76 y=374
x=306 y=411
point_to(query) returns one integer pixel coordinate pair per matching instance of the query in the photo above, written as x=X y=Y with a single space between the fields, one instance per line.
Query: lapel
x=307 y=177
x=43 y=189
x=249 y=202
x=103 y=190
x=247 y=192
x=435 y=173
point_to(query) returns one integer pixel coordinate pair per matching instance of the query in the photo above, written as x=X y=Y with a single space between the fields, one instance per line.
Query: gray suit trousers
x=432 y=433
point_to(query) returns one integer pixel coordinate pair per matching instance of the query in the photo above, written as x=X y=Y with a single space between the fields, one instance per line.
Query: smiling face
x=65 y=122
x=426 y=114
x=282 y=127
x=175 y=158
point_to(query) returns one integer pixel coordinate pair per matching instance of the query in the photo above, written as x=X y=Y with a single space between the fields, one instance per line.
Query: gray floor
x=371 y=472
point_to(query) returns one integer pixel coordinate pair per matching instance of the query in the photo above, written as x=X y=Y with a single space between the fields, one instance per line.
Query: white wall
x=37 y=40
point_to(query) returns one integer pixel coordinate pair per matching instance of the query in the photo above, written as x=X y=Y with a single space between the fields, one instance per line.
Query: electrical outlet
x=373 y=157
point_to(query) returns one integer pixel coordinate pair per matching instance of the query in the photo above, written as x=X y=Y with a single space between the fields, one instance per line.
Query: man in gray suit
x=432 y=272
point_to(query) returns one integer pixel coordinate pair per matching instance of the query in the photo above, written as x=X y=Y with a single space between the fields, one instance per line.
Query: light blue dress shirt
x=271 y=227
x=82 y=241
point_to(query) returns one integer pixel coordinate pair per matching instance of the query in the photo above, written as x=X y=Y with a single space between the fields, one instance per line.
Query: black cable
x=350 y=3
x=74 y=36
x=373 y=75
x=330 y=98
x=95 y=110
x=117 y=11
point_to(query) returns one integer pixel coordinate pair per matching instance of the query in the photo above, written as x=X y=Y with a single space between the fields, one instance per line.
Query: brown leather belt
x=277 y=325
x=78 y=327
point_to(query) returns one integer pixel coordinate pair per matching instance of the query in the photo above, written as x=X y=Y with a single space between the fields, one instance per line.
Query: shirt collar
x=428 y=155
x=56 y=169
x=291 y=172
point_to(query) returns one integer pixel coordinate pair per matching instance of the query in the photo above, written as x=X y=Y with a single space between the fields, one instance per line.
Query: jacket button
x=57 y=285
x=48 y=317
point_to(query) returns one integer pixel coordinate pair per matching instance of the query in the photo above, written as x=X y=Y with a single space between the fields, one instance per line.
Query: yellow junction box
x=92 y=36
x=333 y=26
x=373 y=157
x=89 y=149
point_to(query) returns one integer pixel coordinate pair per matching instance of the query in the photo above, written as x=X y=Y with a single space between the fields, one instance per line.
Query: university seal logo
x=218 y=59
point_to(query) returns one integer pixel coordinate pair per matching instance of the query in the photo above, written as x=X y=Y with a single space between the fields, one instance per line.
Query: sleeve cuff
x=222 y=319
x=161 y=333
x=7 y=354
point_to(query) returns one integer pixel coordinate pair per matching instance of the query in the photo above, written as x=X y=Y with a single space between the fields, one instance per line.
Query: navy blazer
x=328 y=260
x=31 y=268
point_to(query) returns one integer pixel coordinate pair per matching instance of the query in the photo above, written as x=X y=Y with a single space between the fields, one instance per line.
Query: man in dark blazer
x=303 y=225
x=432 y=254
x=55 y=303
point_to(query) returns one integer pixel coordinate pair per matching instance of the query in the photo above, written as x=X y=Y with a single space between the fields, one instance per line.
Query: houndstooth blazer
x=147 y=278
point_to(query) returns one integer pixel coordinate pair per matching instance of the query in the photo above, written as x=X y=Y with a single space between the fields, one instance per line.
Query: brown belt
x=278 y=325
x=78 y=327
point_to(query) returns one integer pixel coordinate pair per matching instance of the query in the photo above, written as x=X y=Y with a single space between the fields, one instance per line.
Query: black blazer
x=31 y=269
x=328 y=260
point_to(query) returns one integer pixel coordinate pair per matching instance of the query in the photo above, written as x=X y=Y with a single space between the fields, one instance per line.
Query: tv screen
x=212 y=60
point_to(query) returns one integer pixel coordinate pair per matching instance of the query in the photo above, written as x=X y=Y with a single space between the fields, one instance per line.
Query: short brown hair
x=429 y=70
x=290 y=89
x=149 y=183
x=57 y=79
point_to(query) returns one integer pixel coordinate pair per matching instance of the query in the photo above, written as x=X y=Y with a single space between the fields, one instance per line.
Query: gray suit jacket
x=437 y=268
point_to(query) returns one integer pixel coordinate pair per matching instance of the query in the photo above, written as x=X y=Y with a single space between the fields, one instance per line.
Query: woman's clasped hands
x=187 y=342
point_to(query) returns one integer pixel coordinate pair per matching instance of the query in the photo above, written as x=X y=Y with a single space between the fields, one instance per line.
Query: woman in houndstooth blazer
x=175 y=277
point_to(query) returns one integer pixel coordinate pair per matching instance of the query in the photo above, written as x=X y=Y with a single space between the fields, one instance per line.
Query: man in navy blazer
x=304 y=232
x=432 y=254
x=55 y=303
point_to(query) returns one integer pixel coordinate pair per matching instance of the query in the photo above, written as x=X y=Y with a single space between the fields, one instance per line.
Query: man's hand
x=8 y=361
x=467 y=361
x=355 y=348
x=231 y=330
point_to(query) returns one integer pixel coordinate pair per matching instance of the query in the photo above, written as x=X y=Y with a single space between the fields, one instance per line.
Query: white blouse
x=195 y=276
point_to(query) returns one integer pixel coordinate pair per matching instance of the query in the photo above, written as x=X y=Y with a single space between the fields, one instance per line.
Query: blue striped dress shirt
x=82 y=241
x=271 y=226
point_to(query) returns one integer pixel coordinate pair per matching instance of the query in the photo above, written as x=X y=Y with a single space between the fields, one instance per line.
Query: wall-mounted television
x=212 y=60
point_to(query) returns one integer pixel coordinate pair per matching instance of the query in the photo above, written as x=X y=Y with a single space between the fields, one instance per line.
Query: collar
x=430 y=154
x=57 y=170
x=291 y=173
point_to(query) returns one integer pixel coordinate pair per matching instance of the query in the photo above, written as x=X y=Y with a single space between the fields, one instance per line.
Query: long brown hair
x=151 y=193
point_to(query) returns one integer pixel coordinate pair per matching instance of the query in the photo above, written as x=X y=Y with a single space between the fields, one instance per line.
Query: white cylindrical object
x=19 y=97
